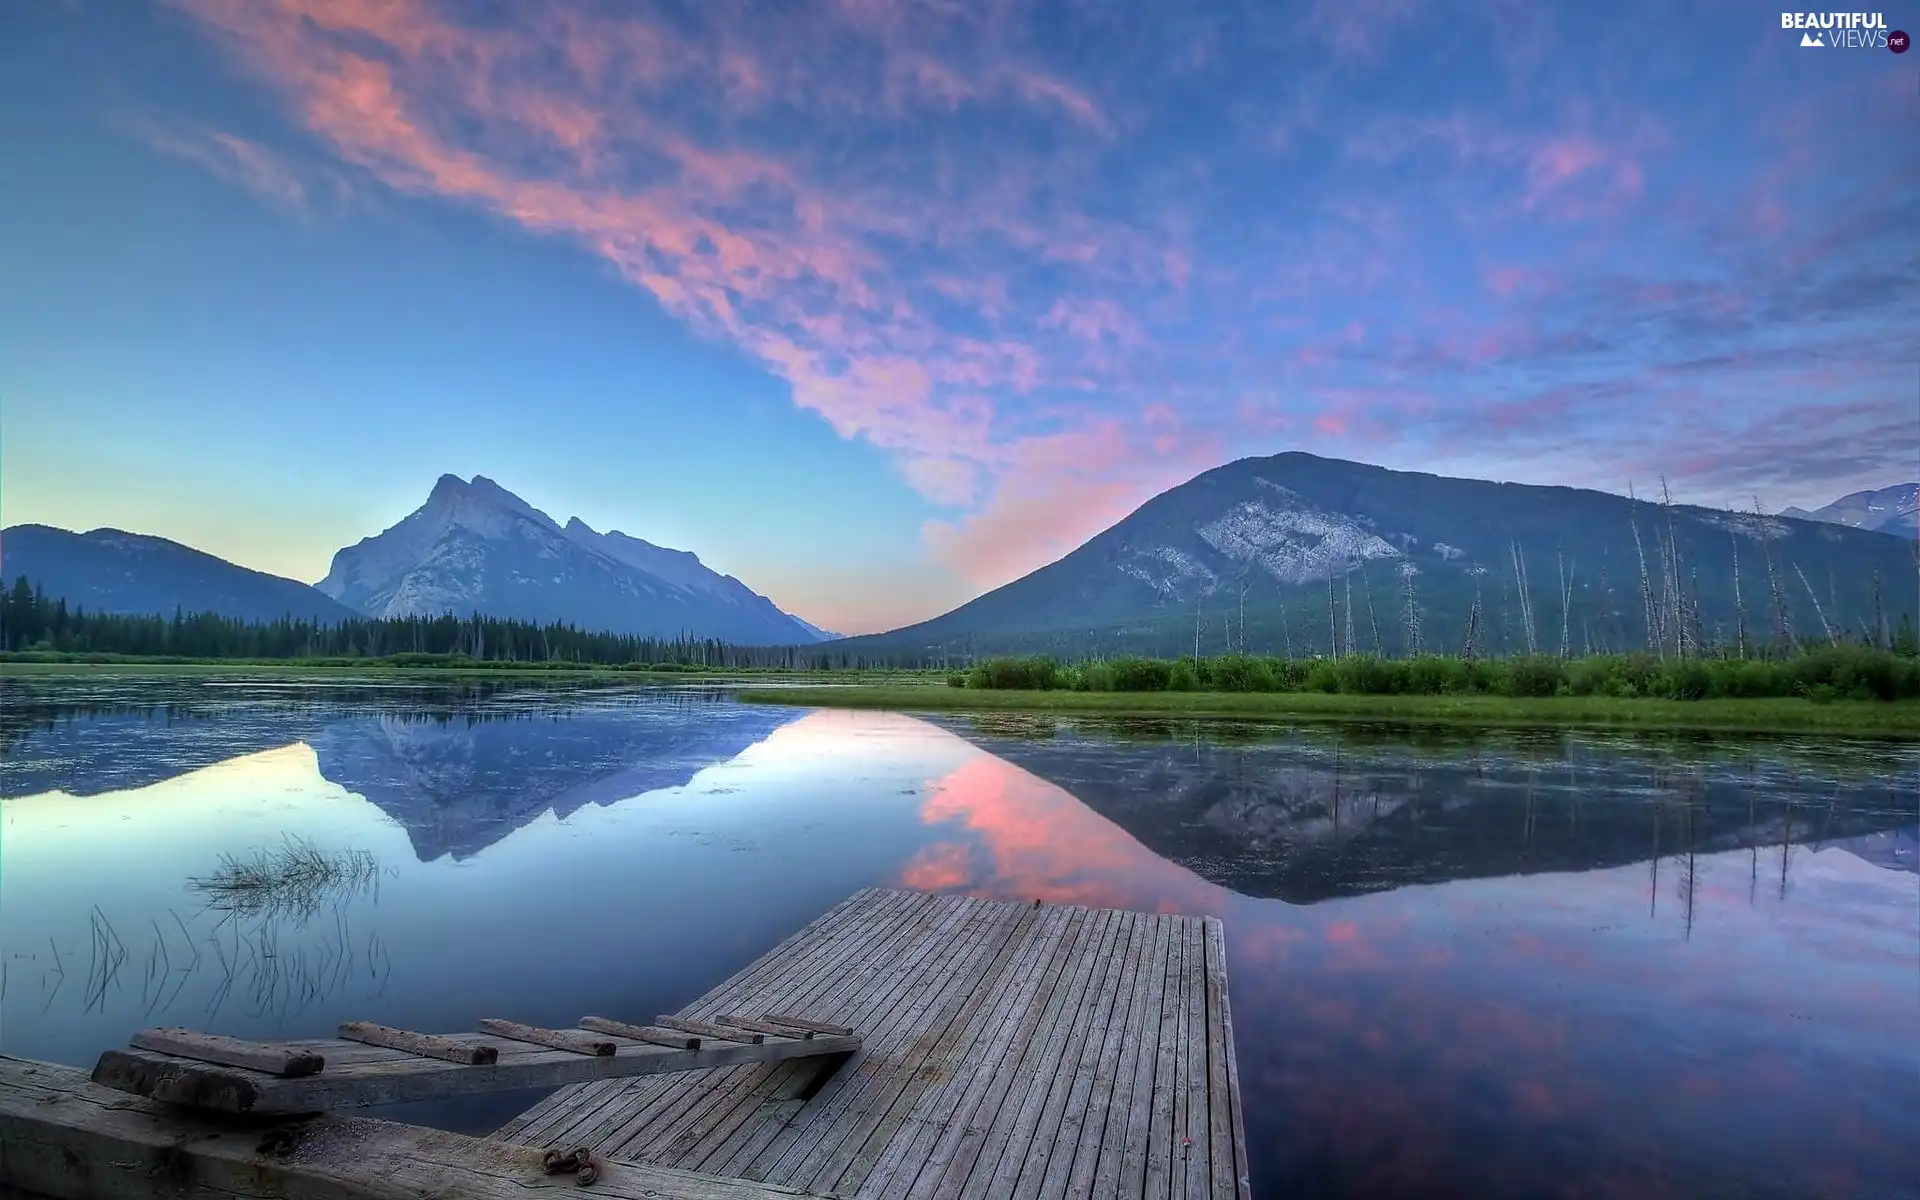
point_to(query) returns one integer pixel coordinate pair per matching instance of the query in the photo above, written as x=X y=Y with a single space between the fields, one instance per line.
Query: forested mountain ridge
x=113 y=571
x=1299 y=555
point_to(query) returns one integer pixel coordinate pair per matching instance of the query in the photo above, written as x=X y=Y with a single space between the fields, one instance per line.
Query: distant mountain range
x=1290 y=554
x=110 y=570
x=1295 y=553
x=472 y=547
x=476 y=547
x=1894 y=510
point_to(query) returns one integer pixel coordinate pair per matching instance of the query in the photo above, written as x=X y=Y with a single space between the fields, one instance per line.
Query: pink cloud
x=932 y=233
x=1578 y=177
x=734 y=233
x=1093 y=321
x=1572 y=175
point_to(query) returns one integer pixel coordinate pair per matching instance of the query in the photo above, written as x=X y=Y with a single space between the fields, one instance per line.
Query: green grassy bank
x=1853 y=718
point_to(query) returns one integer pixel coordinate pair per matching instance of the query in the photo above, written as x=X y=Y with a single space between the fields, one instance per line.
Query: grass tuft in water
x=290 y=880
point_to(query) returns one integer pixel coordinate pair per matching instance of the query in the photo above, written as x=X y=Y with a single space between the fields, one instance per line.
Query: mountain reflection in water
x=1506 y=965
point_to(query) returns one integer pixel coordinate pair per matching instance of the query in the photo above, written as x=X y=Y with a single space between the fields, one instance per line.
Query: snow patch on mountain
x=1166 y=570
x=1296 y=543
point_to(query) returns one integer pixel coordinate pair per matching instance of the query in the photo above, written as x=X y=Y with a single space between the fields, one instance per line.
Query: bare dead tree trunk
x=1528 y=627
x=1470 y=645
x=1817 y=610
x=1286 y=630
x=1739 y=604
x=1346 y=587
x=1655 y=636
x=1783 y=635
x=1566 y=602
x=1198 y=595
x=1333 y=623
x=1373 y=620
x=1670 y=567
x=1697 y=631
x=1506 y=616
x=1243 y=611
x=1409 y=610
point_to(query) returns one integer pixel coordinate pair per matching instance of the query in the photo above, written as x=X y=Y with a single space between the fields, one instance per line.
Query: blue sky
x=879 y=303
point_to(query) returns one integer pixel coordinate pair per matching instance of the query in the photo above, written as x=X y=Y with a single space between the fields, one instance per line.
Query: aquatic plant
x=289 y=880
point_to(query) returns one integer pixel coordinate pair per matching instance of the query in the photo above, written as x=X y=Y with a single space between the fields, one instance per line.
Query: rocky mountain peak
x=474 y=546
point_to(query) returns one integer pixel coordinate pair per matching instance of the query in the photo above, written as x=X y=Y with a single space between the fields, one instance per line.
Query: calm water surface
x=1510 y=965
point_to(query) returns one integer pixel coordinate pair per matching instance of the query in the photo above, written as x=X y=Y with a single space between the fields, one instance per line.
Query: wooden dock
x=1011 y=1050
x=909 y=1045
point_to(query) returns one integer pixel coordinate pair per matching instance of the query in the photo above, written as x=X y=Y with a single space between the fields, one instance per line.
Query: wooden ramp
x=371 y=1064
x=1010 y=1051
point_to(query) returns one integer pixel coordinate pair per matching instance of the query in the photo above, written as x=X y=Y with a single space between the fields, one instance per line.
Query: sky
x=879 y=304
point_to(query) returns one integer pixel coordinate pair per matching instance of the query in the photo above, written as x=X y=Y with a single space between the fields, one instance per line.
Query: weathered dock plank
x=230 y=1052
x=953 y=1157
x=895 y=1155
x=425 y=1044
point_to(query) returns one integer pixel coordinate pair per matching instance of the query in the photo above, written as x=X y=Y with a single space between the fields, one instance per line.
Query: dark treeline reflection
x=1317 y=813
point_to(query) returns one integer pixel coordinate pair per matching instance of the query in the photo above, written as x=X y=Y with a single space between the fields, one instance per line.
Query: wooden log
x=179 y=1081
x=641 y=1033
x=768 y=1027
x=559 y=1039
x=64 y=1138
x=229 y=1052
x=426 y=1045
x=806 y=1023
x=709 y=1029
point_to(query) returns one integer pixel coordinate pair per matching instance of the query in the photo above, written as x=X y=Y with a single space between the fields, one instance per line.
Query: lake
x=1491 y=965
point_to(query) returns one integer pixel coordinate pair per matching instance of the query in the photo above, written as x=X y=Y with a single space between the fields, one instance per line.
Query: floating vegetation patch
x=289 y=881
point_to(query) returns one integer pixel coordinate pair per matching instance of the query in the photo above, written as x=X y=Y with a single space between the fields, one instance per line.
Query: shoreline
x=27 y=668
x=918 y=691
x=1886 y=720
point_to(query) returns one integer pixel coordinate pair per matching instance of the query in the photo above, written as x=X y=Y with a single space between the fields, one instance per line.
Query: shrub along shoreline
x=1897 y=721
x=1835 y=673
x=1853 y=691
